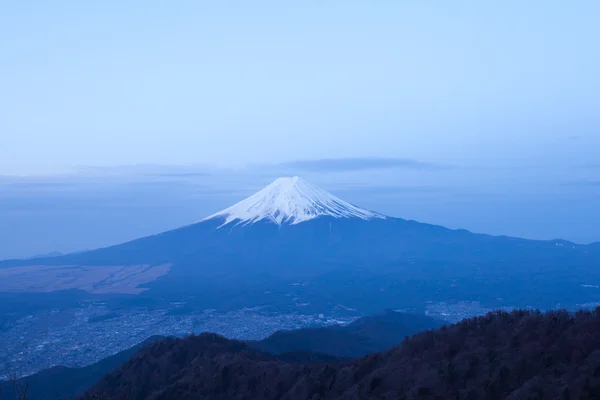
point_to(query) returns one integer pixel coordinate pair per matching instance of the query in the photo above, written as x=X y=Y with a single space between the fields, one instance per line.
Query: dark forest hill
x=517 y=355
x=361 y=337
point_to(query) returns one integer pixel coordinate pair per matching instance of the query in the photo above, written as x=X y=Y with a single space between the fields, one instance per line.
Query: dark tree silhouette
x=19 y=387
x=517 y=355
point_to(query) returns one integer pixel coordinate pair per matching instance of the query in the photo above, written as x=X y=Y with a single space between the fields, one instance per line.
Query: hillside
x=363 y=336
x=517 y=355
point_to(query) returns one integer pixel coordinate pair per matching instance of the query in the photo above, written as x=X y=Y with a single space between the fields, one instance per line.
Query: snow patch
x=290 y=201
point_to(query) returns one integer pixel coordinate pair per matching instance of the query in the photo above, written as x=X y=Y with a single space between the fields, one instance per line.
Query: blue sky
x=134 y=117
x=187 y=82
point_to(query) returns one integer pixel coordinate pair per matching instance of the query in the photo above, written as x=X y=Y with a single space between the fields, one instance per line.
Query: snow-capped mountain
x=290 y=201
x=292 y=232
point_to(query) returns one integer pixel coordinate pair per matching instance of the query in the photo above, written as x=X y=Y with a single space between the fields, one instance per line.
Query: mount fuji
x=291 y=201
x=293 y=234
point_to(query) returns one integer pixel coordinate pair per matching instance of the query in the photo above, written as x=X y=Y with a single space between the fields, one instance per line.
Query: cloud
x=395 y=190
x=178 y=174
x=38 y=184
x=589 y=166
x=592 y=183
x=360 y=163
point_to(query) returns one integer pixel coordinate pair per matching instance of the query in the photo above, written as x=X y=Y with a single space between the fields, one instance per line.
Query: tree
x=19 y=387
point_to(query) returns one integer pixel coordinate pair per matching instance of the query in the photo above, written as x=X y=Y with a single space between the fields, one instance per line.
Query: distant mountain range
x=365 y=335
x=50 y=254
x=294 y=232
x=517 y=355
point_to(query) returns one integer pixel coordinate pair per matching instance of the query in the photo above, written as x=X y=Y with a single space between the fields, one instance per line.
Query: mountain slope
x=361 y=337
x=520 y=355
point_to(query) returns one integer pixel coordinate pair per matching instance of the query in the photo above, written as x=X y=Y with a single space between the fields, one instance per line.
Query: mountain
x=365 y=335
x=293 y=232
x=65 y=383
x=50 y=254
x=517 y=355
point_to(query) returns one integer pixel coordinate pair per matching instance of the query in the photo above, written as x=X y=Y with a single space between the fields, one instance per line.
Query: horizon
x=215 y=198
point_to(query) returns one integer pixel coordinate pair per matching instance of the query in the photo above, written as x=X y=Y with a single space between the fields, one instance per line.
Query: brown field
x=104 y=279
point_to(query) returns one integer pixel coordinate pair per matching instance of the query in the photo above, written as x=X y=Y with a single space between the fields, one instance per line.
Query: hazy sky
x=147 y=115
x=104 y=83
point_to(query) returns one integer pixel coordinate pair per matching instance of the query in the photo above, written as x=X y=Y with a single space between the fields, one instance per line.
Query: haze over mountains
x=40 y=215
x=293 y=232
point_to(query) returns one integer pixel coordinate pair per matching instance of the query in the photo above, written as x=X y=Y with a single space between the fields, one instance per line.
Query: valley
x=76 y=337
x=81 y=335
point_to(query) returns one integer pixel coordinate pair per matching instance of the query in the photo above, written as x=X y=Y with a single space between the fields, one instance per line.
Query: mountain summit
x=290 y=201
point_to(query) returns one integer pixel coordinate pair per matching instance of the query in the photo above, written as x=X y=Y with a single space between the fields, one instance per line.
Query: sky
x=482 y=115
x=186 y=82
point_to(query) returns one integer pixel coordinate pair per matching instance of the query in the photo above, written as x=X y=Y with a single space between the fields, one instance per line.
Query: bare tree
x=19 y=387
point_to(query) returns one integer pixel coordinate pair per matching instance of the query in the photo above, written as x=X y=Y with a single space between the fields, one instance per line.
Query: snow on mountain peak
x=290 y=201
